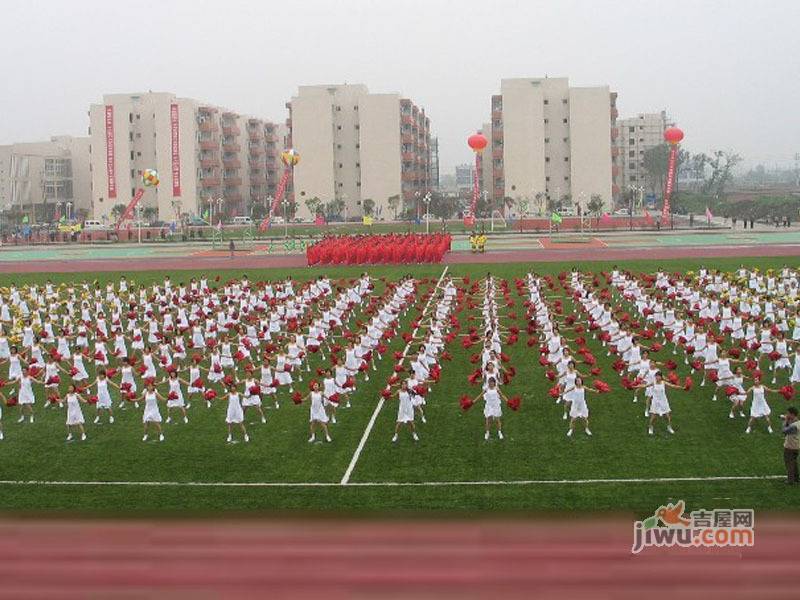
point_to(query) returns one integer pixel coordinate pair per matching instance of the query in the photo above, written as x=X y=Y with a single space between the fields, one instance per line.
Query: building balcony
x=231 y=147
x=615 y=189
x=231 y=163
x=615 y=151
x=614 y=133
x=208 y=163
x=208 y=127
x=497 y=134
x=408 y=176
x=408 y=138
x=233 y=180
x=497 y=152
x=256 y=150
x=209 y=145
x=614 y=113
x=614 y=171
x=497 y=114
x=232 y=195
x=255 y=137
x=256 y=163
x=209 y=182
x=271 y=137
x=407 y=156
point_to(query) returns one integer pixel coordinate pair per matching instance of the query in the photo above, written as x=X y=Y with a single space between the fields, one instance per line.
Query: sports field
x=709 y=460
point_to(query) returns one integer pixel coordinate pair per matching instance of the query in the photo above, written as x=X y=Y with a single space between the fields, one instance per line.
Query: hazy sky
x=728 y=72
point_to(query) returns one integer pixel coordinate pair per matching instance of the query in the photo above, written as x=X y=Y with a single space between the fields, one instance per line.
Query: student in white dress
x=659 y=404
x=152 y=414
x=234 y=414
x=405 y=412
x=578 y=407
x=252 y=397
x=74 y=412
x=759 y=409
x=104 y=402
x=492 y=408
x=318 y=419
x=175 y=396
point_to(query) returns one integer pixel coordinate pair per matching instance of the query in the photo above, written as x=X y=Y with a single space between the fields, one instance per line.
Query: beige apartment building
x=208 y=158
x=637 y=135
x=549 y=140
x=355 y=145
x=44 y=180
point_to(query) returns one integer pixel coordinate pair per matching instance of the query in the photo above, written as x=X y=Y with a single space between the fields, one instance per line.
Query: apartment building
x=356 y=145
x=637 y=135
x=45 y=180
x=209 y=158
x=549 y=140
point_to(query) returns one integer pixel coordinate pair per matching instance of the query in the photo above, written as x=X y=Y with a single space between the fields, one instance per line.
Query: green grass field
x=448 y=469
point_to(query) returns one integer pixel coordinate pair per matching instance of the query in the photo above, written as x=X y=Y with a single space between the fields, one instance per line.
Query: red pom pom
x=595 y=371
x=601 y=386
x=731 y=390
x=386 y=393
x=551 y=375
x=688 y=383
x=554 y=391
x=514 y=403
x=297 y=398
x=787 y=392
x=465 y=402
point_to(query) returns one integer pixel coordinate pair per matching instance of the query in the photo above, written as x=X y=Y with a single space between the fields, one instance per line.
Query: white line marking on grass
x=346 y=478
x=378 y=484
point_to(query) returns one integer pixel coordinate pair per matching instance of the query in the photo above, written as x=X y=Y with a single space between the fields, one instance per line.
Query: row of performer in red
x=389 y=248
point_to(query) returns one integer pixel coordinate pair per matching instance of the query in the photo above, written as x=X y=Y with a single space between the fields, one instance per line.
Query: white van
x=93 y=225
x=242 y=221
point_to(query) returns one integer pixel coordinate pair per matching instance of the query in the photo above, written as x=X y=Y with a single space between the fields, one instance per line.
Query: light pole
x=139 y=221
x=416 y=201
x=633 y=188
x=427 y=201
x=285 y=218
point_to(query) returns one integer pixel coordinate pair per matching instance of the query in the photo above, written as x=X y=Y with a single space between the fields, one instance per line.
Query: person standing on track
x=791 y=445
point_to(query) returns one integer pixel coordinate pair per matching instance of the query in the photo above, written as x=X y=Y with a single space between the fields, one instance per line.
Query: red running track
x=333 y=559
x=295 y=261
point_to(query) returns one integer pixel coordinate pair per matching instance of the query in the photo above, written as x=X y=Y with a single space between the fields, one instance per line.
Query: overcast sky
x=728 y=72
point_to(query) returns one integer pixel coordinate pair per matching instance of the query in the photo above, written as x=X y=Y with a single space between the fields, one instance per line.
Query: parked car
x=276 y=220
x=621 y=212
x=242 y=220
x=567 y=211
x=196 y=222
x=94 y=225
x=69 y=227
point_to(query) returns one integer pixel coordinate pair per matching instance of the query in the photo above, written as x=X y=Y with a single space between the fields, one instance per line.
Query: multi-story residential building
x=548 y=140
x=43 y=180
x=465 y=177
x=208 y=158
x=355 y=145
x=637 y=135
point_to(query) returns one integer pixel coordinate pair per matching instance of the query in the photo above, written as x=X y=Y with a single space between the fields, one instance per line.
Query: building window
x=564 y=120
x=130 y=136
x=631 y=141
x=547 y=102
x=130 y=117
x=138 y=136
x=358 y=165
x=566 y=159
x=341 y=184
x=631 y=129
x=340 y=165
x=633 y=177
x=133 y=174
x=547 y=178
x=339 y=127
x=631 y=153
x=131 y=154
x=358 y=184
x=563 y=101
x=139 y=154
x=566 y=178
x=546 y=159
x=355 y=107
x=357 y=146
x=358 y=127
x=565 y=140
x=631 y=166
x=546 y=140
x=546 y=121
x=338 y=109
x=338 y=146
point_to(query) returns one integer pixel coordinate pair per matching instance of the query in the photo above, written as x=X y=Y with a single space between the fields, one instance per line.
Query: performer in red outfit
x=387 y=248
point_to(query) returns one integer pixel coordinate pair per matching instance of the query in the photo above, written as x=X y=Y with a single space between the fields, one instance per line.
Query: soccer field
x=709 y=461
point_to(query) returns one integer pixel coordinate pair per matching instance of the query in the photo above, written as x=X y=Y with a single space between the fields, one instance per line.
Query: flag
x=24 y=219
x=63 y=219
x=647 y=218
x=555 y=218
x=205 y=215
x=366 y=220
x=709 y=216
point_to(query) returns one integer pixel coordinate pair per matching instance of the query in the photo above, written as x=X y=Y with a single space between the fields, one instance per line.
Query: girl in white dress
x=252 y=397
x=659 y=404
x=492 y=408
x=329 y=394
x=25 y=396
x=759 y=409
x=405 y=412
x=783 y=362
x=196 y=386
x=128 y=381
x=737 y=399
x=795 y=377
x=175 y=396
x=78 y=371
x=152 y=414
x=104 y=402
x=74 y=413
x=578 y=407
x=235 y=414
x=318 y=419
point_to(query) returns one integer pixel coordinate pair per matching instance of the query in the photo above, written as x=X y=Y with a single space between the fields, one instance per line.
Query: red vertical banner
x=111 y=174
x=469 y=220
x=670 y=184
x=279 y=192
x=176 y=149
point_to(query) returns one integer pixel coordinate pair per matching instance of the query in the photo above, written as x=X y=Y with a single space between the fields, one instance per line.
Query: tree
x=259 y=211
x=149 y=213
x=313 y=205
x=368 y=204
x=118 y=210
x=540 y=202
x=721 y=164
x=565 y=200
x=595 y=205
x=333 y=209
x=655 y=163
x=394 y=203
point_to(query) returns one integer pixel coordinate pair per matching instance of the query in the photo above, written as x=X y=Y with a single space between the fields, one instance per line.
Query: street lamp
x=416 y=201
x=427 y=201
x=633 y=188
x=285 y=217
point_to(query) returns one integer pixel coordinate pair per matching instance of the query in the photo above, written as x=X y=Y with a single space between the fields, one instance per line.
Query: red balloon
x=477 y=142
x=673 y=135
